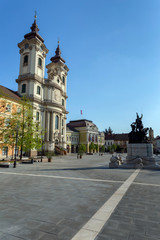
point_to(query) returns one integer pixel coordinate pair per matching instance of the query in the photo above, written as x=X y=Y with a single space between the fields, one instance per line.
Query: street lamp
x=15 y=161
x=42 y=137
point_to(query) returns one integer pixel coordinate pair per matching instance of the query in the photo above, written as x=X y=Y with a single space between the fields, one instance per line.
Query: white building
x=48 y=96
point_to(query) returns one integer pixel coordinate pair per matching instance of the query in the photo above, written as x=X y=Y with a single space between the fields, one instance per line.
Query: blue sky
x=112 y=48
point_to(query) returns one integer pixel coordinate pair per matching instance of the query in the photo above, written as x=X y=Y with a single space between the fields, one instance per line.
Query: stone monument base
x=139 y=155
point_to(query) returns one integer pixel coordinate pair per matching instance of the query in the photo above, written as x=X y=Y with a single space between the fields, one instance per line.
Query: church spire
x=35 y=30
x=57 y=57
x=34 y=26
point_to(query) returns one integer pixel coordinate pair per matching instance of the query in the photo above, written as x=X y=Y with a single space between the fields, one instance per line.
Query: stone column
x=51 y=127
x=60 y=128
x=46 y=126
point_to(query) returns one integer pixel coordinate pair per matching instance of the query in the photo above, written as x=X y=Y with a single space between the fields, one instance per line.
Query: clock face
x=26 y=46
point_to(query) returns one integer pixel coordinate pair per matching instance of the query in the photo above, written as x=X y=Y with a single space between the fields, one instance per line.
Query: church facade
x=48 y=95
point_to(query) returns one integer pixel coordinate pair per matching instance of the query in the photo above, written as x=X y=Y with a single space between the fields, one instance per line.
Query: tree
x=91 y=147
x=114 y=147
x=102 y=148
x=82 y=149
x=108 y=131
x=29 y=131
x=96 y=147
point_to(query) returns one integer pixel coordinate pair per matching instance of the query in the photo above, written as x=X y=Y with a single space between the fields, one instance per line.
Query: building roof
x=71 y=129
x=57 y=57
x=34 y=32
x=79 y=123
x=117 y=137
x=157 y=138
x=9 y=94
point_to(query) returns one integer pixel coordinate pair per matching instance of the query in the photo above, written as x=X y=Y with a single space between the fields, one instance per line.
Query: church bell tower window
x=37 y=116
x=25 y=62
x=38 y=90
x=56 y=122
x=39 y=62
x=23 y=88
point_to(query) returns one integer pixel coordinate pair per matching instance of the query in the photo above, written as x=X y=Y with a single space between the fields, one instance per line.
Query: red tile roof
x=117 y=137
x=9 y=94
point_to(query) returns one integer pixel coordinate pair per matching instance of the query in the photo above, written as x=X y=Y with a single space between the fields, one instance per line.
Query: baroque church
x=48 y=95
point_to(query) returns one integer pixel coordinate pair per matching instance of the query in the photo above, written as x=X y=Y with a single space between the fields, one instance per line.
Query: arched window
x=62 y=102
x=38 y=90
x=63 y=79
x=23 y=88
x=56 y=122
x=37 y=116
x=8 y=108
x=39 y=62
x=25 y=61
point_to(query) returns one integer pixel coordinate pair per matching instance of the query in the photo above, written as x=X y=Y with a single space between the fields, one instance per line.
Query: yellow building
x=72 y=140
x=88 y=132
x=9 y=105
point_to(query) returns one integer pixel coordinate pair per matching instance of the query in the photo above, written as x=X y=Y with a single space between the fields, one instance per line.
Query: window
x=58 y=80
x=8 y=108
x=67 y=138
x=37 y=116
x=25 y=62
x=39 y=62
x=56 y=122
x=7 y=122
x=5 y=151
x=26 y=46
x=62 y=102
x=23 y=88
x=41 y=48
x=38 y=90
x=62 y=131
x=18 y=110
x=62 y=122
x=63 y=79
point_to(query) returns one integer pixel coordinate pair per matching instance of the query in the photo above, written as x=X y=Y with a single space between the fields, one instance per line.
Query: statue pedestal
x=140 y=155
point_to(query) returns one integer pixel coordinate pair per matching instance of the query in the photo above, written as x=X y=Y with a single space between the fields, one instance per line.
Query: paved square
x=60 y=199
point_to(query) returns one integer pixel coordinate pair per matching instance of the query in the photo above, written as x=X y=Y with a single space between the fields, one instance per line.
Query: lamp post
x=15 y=161
x=42 y=137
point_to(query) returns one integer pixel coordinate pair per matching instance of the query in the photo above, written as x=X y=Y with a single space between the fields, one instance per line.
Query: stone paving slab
x=136 y=217
x=149 y=177
x=43 y=207
x=52 y=206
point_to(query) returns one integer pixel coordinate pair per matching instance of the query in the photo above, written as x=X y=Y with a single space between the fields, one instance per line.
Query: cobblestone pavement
x=53 y=201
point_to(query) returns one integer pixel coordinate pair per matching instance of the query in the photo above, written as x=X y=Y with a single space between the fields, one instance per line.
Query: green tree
x=102 y=149
x=114 y=147
x=108 y=131
x=82 y=149
x=29 y=131
x=91 y=147
x=96 y=147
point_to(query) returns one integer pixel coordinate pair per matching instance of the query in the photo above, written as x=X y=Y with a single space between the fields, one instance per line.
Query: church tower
x=32 y=64
x=48 y=96
x=55 y=93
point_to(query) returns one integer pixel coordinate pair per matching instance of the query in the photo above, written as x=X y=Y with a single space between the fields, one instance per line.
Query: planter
x=49 y=159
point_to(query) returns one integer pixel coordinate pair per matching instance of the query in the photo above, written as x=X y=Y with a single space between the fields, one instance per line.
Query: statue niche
x=138 y=133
